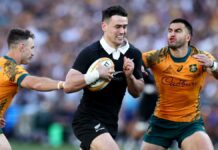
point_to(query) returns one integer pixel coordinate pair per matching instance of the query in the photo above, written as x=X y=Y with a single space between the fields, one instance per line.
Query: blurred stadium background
x=62 y=29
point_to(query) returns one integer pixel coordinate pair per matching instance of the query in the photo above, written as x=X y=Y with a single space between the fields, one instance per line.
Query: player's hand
x=105 y=72
x=2 y=122
x=204 y=60
x=128 y=67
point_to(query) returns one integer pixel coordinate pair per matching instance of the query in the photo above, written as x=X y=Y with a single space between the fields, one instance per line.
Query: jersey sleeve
x=83 y=61
x=149 y=58
x=138 y=64
x=15 y=73
x=20 y=75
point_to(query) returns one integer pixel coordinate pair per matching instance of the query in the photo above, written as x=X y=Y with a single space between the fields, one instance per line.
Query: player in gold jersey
x=13 y=76
x=179 y=70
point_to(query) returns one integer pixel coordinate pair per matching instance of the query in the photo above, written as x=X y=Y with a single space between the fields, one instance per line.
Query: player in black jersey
x=95 y=121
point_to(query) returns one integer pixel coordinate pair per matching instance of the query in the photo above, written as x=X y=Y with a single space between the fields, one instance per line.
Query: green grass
x=17 y=145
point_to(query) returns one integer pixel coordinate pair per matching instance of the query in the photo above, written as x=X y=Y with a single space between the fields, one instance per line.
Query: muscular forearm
x=46 y=84
x=74 y=83
x=135 y=86
x=41 y=83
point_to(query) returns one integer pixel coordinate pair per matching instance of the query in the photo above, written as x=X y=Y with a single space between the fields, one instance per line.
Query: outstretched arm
x=41 y=83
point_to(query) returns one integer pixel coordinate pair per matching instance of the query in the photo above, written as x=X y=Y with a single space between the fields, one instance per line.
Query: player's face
x=115 y=30
x=178 y=35
x=27 y=51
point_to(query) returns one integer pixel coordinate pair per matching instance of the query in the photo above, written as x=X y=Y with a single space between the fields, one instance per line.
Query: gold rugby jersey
x=11 y=75
x=179 y=82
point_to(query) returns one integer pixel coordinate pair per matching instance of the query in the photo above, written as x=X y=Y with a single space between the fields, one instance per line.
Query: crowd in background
x=63 y=28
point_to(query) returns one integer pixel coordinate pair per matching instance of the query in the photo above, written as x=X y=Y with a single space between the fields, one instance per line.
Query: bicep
x=29 y=82
x=73 y=75
x=74 y=81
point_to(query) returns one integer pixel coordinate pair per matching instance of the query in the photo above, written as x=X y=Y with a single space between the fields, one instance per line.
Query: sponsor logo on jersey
x=179 y=68
x=176 y=82
x=98 y=127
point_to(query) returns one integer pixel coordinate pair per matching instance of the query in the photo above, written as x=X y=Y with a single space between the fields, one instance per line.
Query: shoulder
x=134 y=52
x=89 y=51
x=151 y=57
x=94 y=47
x=163 y=52
x=198 y=51
x=134 y=49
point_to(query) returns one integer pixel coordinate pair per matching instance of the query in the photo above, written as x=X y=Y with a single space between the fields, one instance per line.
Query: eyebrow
x=174 y=29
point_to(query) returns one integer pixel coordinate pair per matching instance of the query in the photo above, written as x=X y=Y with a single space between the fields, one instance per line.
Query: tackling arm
x=41 y=83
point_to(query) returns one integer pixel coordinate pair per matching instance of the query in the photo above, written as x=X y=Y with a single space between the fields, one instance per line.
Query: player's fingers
x=199 y=55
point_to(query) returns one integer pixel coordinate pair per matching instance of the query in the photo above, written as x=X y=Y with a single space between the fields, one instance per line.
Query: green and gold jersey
x=11 y=75
x=179 y=82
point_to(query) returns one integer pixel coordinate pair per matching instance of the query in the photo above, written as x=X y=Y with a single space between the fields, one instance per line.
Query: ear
x=21 y=47
x=188 y=37
x=103 y=26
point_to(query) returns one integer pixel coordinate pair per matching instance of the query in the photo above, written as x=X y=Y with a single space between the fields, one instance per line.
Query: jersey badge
x=193 y=68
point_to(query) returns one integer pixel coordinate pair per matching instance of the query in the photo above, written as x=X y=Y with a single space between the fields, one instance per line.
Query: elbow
x=135 y=94
x=37 y=87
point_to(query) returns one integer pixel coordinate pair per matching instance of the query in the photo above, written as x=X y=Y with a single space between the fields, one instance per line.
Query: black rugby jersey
x=104 y=105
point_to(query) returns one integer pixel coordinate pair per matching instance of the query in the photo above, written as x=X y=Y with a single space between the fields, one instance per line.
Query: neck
x=110 y=43
x=179 y=52
x=14 y=55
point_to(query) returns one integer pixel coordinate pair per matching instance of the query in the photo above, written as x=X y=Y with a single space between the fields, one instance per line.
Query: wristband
x=91 y=77
x=60 y=85
x=214 y=66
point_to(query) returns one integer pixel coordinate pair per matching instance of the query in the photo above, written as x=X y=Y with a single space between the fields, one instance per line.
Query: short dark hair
x=113 y=10
x=16 y=35
x=185 y=22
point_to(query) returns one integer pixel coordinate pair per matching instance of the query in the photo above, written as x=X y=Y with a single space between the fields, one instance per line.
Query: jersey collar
x=183 y=59
x=123 y=48
x=9 y=58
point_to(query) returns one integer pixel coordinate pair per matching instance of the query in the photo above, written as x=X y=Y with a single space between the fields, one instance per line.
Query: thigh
x=149 y=146
x=104 y=142
x=197 y=141
x=160 y=132
x=4 y=144
x=87 y=130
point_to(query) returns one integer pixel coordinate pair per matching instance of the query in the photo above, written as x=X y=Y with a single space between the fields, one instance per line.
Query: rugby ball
x=100 y=83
